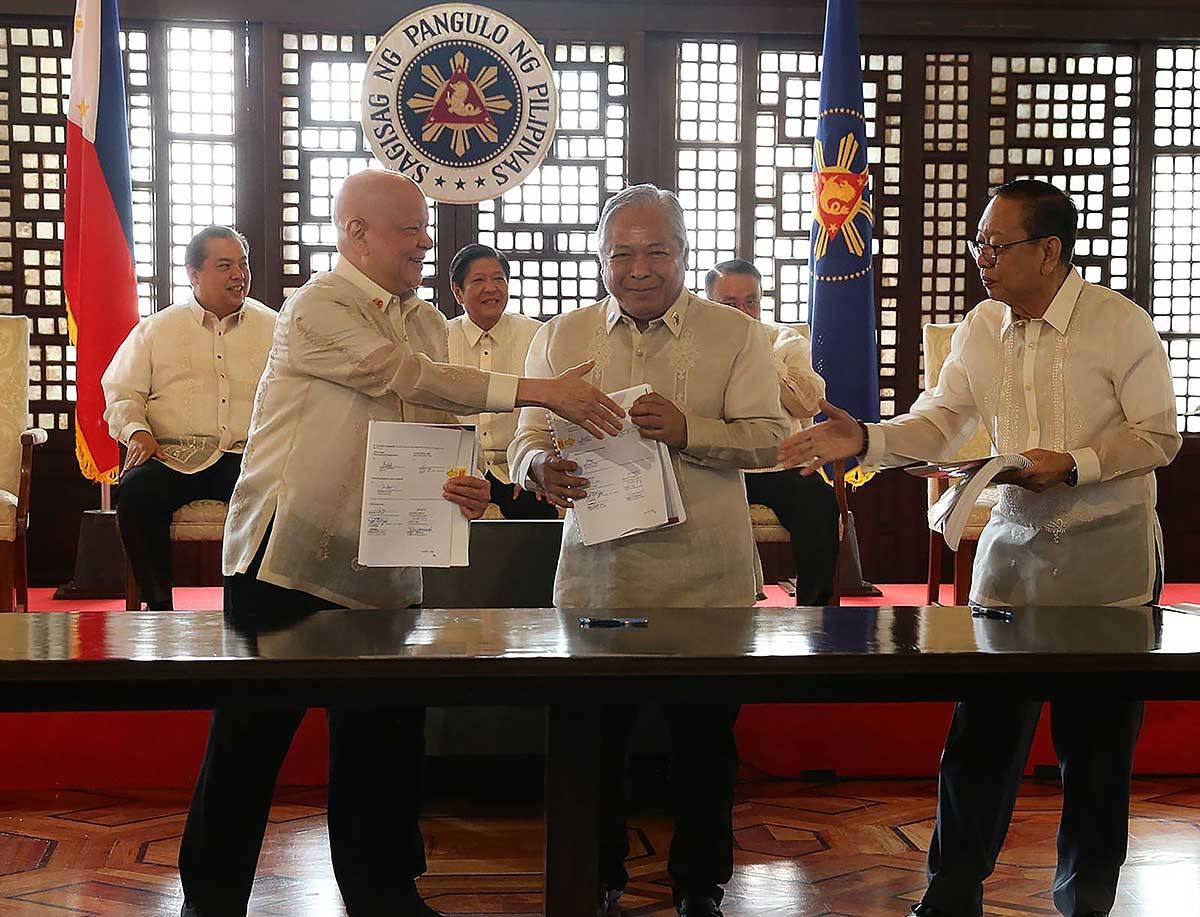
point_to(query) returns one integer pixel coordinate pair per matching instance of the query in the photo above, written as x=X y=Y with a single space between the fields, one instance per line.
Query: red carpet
x=914 y=594
x=114 y=750
x=893 y=594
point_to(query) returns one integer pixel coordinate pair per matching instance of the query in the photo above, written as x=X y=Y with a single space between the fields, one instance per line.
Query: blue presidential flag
x=841 y=309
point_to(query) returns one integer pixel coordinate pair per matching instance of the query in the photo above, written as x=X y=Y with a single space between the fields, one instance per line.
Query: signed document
x=631 y=481
x=405 y=520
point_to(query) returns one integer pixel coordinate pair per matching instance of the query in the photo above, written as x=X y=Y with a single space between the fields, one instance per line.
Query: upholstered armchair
x=16 y=460
x=936 y=343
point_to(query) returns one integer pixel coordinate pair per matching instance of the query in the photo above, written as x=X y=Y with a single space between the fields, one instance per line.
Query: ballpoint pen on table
x=995 y=614
x=614 y=622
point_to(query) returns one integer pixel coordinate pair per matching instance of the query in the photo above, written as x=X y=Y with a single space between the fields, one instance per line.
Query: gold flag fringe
x=83 y=453
x=855 y=477
x=87 y=464
x=72 y=328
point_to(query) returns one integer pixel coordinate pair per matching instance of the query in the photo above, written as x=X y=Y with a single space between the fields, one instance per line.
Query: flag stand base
x=99 y=559
x=850 y=578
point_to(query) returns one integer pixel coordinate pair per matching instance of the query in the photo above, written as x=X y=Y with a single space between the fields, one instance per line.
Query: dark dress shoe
x=698 y=906
x=926 y=910
x=610 y=902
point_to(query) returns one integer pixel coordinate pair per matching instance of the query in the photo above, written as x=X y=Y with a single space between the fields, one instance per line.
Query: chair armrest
x=29 y=439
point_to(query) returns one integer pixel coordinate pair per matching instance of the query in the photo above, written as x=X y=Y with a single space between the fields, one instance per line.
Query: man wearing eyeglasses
x=1074 y=376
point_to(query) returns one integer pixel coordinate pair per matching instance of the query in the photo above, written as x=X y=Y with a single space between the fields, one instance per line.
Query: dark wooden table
x=169 y=660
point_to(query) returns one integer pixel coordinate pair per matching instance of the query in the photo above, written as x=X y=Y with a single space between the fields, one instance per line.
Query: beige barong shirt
x=502 y=349
x=188 y=378
x=1090 y=378
x=716 y=365
x=345 y=352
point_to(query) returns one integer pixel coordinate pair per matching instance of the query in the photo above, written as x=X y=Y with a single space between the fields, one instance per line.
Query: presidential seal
x=460 y=99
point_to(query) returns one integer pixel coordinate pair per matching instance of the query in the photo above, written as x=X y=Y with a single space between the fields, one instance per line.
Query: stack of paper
x=950 y=513
x=406 y=522
x=631 y=481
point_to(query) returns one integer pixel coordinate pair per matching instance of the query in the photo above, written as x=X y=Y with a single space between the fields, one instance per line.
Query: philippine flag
x=98 y=268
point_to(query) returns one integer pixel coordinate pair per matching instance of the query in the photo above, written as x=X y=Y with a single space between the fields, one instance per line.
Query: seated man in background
x=178 y=393
x=806 y=506
x=490 y=338
x=715 y=403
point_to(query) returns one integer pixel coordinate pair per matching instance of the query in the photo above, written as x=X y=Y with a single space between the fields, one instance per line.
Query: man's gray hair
x=637 y=195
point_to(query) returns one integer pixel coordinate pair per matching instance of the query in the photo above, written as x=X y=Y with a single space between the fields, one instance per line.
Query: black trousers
x=807 y=508
x=525 y=505
x=704 y=769
x=977 y=788
x=146 y=498
x=374 y=791
x=980 y=776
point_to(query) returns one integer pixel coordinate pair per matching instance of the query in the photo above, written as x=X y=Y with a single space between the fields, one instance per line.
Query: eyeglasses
x=989 y=254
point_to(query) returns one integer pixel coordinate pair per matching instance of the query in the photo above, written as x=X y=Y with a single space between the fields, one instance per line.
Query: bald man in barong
x=351 y=346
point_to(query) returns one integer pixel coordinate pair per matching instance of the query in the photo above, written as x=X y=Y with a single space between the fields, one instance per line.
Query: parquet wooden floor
x=849 y=849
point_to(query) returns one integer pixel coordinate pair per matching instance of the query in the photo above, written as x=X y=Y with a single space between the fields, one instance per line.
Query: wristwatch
x=1072 y=475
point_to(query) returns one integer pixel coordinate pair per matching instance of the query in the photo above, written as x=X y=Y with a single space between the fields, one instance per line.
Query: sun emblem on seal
x=460 y=99
x=839 y=198
x=459 y=104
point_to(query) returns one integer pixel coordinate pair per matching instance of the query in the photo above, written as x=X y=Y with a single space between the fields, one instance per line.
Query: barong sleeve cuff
x=522 y=475
x=876 y=449
x=501 y=393
x=1088 y=463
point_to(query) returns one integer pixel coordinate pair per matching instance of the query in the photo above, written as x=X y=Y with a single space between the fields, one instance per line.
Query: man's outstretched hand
x=837 y=437
x=570 y=397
